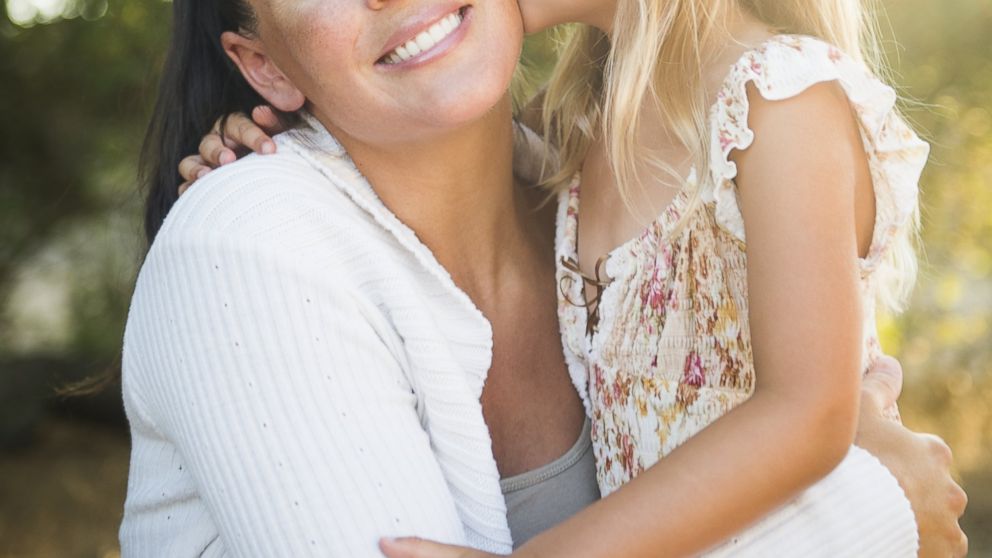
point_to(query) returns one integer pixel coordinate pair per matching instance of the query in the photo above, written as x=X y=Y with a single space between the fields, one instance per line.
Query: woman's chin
x=459 y=104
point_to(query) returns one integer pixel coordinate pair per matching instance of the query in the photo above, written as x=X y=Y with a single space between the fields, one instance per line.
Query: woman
x=276 y=398
x=302 y=370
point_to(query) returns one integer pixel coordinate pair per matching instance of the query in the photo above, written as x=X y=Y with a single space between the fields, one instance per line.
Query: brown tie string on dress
x=591 y=306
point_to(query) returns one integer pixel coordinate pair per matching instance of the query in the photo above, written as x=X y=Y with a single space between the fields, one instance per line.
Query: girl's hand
x=920 y=462
x=412 y=547
x=241 y=135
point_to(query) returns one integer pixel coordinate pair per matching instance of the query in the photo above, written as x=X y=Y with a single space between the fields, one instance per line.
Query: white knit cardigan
x=302 y=378
x=300 y=374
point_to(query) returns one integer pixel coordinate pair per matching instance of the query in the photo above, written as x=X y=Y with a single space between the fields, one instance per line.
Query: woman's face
x=381 y=72
x=539 y=15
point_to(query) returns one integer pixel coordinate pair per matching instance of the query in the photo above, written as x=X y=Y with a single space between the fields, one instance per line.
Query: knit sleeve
x=284 y=396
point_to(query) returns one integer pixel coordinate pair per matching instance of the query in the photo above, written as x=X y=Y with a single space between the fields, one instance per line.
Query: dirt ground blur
x=62 y=496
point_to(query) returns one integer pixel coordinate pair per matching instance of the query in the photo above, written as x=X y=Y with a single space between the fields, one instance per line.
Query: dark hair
x=199 y=85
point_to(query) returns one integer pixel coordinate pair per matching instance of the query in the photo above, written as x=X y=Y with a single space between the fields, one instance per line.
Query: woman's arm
x=284 y=394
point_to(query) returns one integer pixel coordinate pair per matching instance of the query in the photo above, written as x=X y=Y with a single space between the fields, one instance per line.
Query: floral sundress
x=671 y=350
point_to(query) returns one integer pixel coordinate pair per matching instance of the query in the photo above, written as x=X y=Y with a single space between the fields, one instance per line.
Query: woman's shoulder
x=253 y=194
x=277 y=219
x=302 y=202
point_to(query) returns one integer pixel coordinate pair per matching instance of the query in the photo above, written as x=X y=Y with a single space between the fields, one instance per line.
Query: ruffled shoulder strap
x=786 y=66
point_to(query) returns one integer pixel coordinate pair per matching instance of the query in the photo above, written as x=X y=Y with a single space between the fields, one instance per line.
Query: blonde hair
x=658 y=51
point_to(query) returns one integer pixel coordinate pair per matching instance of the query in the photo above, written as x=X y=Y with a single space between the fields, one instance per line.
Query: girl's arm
x=281 y=392
x=920 y=462
x=797 y=188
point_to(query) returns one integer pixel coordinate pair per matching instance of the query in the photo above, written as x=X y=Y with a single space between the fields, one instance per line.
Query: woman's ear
x=261 y=72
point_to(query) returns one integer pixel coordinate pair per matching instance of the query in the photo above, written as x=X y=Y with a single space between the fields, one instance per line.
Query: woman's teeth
x=425 y=40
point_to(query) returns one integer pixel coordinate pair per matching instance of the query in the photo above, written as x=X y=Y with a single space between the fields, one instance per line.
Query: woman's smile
x=426 y=38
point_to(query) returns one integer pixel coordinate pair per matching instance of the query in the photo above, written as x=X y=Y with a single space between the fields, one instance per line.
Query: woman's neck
x=457 y=193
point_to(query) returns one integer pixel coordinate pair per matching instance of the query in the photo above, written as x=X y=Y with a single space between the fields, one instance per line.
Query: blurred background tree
x=78 y=81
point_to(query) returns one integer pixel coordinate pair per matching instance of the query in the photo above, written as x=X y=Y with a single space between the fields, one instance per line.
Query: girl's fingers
x=248 y=134
x=217 y=149
x=266 y=118
x=192 y=168
x=241 y=134
x=214 y=152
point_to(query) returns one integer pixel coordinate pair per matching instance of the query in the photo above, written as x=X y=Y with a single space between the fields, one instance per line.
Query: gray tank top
x=540 y=499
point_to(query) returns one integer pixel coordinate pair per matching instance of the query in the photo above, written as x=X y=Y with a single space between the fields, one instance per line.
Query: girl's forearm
x=739 y=469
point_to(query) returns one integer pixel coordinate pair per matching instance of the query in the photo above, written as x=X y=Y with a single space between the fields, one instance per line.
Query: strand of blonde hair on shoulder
x=656 y=56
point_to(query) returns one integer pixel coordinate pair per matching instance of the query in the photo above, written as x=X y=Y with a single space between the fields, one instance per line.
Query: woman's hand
x=412 y=547
x=241 y=135
x=920 y=462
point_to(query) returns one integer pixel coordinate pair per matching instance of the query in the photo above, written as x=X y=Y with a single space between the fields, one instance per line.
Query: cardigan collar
x=330 y=158
x=454 y=372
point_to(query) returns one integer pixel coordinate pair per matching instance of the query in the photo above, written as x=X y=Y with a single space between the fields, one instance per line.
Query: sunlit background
x=76 y=81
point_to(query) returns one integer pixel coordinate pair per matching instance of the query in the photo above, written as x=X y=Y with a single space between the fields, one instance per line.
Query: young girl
x=784 y=185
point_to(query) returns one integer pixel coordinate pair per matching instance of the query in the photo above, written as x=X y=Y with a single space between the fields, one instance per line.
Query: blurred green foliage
x=943 y=61
x=78 y=79
x=74 y=103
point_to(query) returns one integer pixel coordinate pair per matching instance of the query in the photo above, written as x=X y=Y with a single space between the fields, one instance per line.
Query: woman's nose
x=376 y=4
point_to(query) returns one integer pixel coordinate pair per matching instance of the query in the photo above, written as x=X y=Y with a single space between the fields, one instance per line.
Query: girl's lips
x=433 y=34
